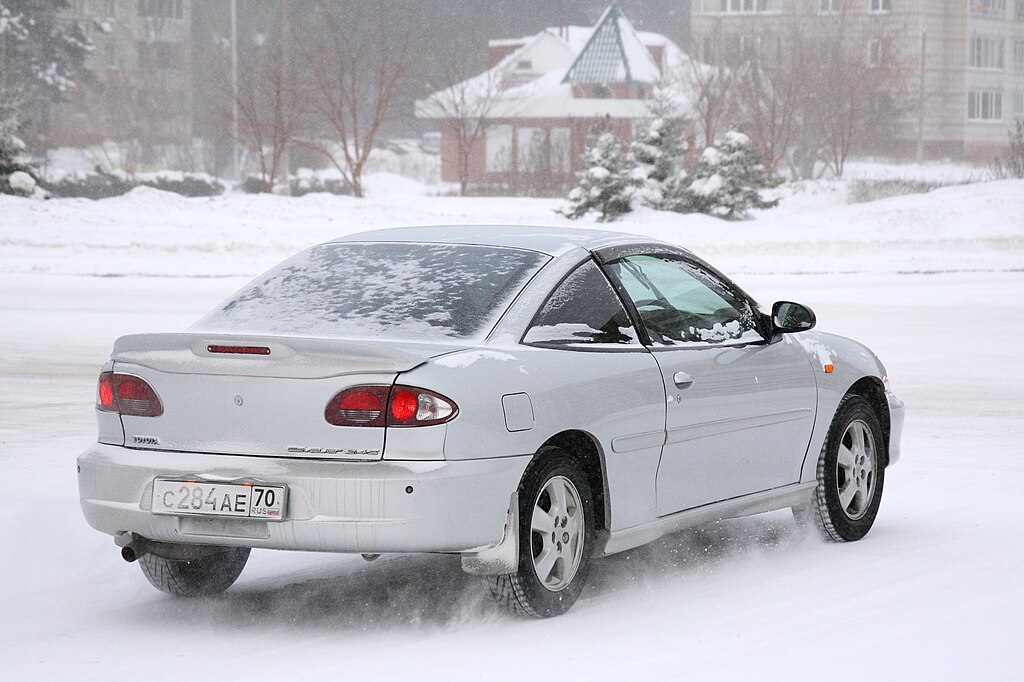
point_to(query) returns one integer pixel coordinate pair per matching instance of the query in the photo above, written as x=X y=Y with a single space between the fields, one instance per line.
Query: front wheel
x=556 y=531
x=850 y=474
x=203 y=576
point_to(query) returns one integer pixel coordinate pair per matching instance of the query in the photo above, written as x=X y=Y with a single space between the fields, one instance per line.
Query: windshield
x=380 y=290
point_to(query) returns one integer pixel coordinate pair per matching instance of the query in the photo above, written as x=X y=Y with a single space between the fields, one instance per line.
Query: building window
x=162 y=9
x=879 y=6
x=530 y=150
x=498 y=148
x=750 y=47
x=1018 y=105
x=736 y=6
x=986 y=53
x=1019 y=11
x=162 y=56
x=878 y=53
x=984 y=105
x=830 y=6
x=828 y=51
x=561 y=150
x=987 y=8
x=1018 y=55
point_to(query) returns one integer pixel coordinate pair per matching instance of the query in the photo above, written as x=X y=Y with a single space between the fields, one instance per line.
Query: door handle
x=682 y=380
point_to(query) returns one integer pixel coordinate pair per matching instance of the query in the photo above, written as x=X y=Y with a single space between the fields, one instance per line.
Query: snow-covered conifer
x=17 y=175
x=727 y=181
x=606 y=186
x=42 y=53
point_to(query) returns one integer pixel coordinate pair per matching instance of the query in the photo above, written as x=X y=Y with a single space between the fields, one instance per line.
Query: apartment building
x=962 y=61
x=140 y=82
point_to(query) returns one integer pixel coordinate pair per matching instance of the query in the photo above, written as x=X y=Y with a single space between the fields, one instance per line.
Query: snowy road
x=933 y=592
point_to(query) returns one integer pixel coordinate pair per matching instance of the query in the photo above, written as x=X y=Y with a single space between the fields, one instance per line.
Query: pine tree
x=727 y=181
x=606 y=186
x=17 y=175
x=658 y=151
x=40 y=61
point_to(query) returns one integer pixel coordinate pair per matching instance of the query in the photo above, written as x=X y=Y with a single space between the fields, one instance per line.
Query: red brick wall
x=579 y=128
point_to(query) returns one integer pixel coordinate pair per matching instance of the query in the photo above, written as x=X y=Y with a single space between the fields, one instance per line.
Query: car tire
x=556 y=534
x=203 y=576
x=850 y=474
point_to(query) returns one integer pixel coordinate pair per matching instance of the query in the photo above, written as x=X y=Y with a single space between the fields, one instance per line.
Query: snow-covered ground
x=934 y=283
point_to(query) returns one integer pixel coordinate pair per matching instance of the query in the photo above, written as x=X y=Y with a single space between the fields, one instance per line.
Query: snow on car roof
x=553 y=241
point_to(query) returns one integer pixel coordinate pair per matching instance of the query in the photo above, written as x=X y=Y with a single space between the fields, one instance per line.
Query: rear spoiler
x=269 y=356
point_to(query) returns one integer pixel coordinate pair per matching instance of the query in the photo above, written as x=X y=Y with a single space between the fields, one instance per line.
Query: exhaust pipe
x=133 y=546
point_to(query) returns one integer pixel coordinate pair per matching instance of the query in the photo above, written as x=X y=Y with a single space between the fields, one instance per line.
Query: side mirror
x=789 y=317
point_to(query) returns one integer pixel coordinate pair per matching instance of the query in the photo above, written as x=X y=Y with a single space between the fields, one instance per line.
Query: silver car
x=528 y=398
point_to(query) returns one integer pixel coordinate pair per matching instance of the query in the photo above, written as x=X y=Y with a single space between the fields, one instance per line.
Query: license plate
x=204 y=498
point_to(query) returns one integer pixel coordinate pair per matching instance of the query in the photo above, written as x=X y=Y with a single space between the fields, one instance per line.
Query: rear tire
x=850 y=474
x=200 y=577
x=556 y=534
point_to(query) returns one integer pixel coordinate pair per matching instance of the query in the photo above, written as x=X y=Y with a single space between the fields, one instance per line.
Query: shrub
x=863 y=190
x=17 y=174
x=1011 y=164
x=308 y=184
x=101 y=184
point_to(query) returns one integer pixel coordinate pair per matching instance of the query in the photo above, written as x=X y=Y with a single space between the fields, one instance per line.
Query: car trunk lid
x=259 y=395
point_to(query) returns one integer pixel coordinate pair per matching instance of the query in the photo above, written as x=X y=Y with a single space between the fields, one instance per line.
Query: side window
x=583 y=310
x=682 y=304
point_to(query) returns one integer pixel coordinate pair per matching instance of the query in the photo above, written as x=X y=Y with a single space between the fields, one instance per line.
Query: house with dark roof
x=525 y=121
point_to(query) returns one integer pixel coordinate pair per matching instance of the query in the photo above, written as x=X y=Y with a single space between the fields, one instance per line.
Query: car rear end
x=265 y=427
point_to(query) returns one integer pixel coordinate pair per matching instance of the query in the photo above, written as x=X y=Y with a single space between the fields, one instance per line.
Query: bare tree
x=354 y=68
x=271 y=103
x=466 y=106
x=712 y=91
x=836 y=85
x=770 y=96
x=856 y=89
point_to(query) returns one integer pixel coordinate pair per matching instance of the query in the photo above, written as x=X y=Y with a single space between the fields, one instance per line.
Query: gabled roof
x=614 y=54
x=559 y=59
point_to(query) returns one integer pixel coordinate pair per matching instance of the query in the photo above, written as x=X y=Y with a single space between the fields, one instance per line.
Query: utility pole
x=920 y=99
x=285 y=28
x=234 y=92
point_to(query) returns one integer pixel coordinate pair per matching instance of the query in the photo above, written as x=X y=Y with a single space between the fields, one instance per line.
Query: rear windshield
x=380 y=290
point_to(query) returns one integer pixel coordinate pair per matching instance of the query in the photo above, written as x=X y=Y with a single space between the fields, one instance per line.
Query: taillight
x=419 y=407
x=389 y=406
x=403 y=406
x=127 y=394
x=358 y=406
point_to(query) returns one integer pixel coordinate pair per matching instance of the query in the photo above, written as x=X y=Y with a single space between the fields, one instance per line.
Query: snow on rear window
x=380 y=290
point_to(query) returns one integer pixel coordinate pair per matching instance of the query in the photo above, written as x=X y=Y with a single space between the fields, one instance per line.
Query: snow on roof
x=545 y=89
x=614 y=54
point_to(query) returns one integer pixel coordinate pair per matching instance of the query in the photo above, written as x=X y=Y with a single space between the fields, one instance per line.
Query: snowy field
x=933 y=283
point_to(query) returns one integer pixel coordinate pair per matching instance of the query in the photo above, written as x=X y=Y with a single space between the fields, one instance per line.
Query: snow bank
x=149 y=232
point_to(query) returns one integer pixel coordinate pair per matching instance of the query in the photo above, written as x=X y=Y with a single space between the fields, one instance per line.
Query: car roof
x=553 y=241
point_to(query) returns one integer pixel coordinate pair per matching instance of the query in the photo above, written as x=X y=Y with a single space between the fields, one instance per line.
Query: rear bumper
x=454 y=506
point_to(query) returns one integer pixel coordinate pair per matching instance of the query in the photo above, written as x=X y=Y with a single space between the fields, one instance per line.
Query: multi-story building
x=140 y=75
x=962 y=61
